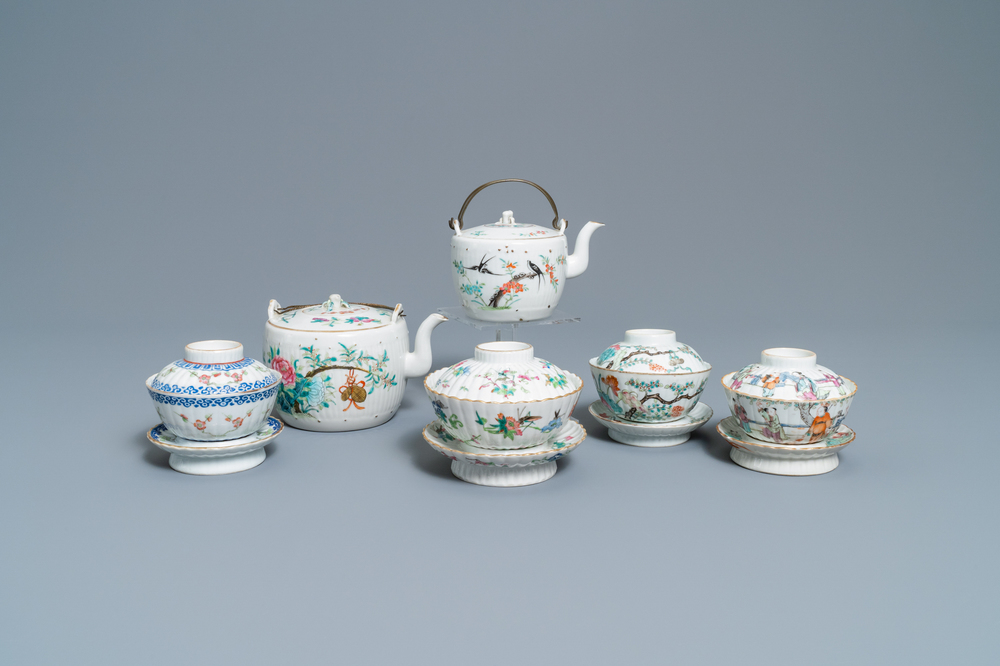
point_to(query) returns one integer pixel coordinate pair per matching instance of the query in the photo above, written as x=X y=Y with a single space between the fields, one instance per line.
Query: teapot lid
x=506 y=228
x=335 y=314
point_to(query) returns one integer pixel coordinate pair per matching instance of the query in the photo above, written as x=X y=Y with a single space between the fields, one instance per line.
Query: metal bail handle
x=555 y=220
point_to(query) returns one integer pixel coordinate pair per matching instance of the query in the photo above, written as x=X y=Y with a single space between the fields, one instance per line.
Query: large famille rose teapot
x=343 y=366
x=510 y=272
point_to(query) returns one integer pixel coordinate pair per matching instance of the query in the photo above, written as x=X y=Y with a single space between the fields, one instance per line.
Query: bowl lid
x=334 y=315
x=503 y=372
x=789 y=374
x=653 y=351
x=507 y=229
x=212 y=367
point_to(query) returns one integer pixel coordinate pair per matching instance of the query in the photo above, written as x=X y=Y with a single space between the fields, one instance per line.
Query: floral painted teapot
x=510 y=272
x=343 y=365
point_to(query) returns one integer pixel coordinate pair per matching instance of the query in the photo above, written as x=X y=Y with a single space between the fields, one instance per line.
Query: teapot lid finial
x=507 y=217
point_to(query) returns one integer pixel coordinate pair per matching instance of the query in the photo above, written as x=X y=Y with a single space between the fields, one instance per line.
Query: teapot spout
x=418 y=362
x=577 y=262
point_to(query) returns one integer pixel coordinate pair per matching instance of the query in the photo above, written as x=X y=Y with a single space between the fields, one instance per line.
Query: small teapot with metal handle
x=511 y=272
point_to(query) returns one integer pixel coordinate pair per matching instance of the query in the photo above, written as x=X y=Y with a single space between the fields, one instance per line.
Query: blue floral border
x=235 y=365
x=212 y=390
x=221 y=401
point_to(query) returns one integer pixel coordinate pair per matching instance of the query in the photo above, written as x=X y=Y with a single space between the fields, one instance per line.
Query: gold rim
x=786 y=447
x=590 y=408
x=502 y=452
x=793 y=402
x=515 y=402
x=655 y=374
x=149 y=436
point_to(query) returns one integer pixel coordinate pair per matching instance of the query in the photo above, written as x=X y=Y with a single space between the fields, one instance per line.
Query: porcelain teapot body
x=510 y=272
x=343 y=365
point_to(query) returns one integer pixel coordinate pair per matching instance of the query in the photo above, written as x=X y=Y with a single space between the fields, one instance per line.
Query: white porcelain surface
x=210 y=459
x=654 y=351
x=788 y=460
x=343 y=365
x=509 y=272
x=504 y=468
x=503 y=397
x=787 y=398
x=651 y=435
x=214 y=393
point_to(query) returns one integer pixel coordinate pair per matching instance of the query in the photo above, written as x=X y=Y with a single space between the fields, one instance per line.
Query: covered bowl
x=787 y=398
x=503 y=397
x=649 y=377
x=214 y=392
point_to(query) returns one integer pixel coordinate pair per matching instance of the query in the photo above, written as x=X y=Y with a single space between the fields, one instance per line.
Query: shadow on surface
x=595 y=429
x=150 y=453
x=425 y=458
x=712 y=442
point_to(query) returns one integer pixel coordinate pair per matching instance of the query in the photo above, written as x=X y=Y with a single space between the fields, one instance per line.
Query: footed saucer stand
x=783 y=459
x=505 y=468
x=648 y=441
x=785 y=466
x=214 y=466
x=215 y=458
x=503 y=477
x=651 y=435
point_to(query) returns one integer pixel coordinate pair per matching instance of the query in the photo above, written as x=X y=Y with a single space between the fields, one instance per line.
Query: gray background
x=821 y=175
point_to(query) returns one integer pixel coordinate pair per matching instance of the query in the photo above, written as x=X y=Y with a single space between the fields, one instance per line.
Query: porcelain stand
x=648 y=441
x=215 y=458
x=214 y=466
x=503 y=477
x=506 y=330
x=651 y=435
x=785 y=466
x=802 y=460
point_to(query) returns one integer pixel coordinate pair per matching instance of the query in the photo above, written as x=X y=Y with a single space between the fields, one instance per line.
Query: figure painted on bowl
x=820 y=424
x=769 y=382
x=741 y=416
x=804 y=386
x=772 y=428
x=836 y=380
x=741 y=376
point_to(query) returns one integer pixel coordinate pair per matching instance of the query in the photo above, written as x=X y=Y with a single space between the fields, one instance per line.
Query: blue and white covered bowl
x=214 y=393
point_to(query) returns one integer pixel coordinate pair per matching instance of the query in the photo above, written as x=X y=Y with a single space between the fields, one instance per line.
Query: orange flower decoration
x=513 y=287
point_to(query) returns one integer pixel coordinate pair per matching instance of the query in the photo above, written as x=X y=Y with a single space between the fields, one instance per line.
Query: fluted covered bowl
x=788 y=398
x=649 y=377
x=503 y=397
x=214 y=392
